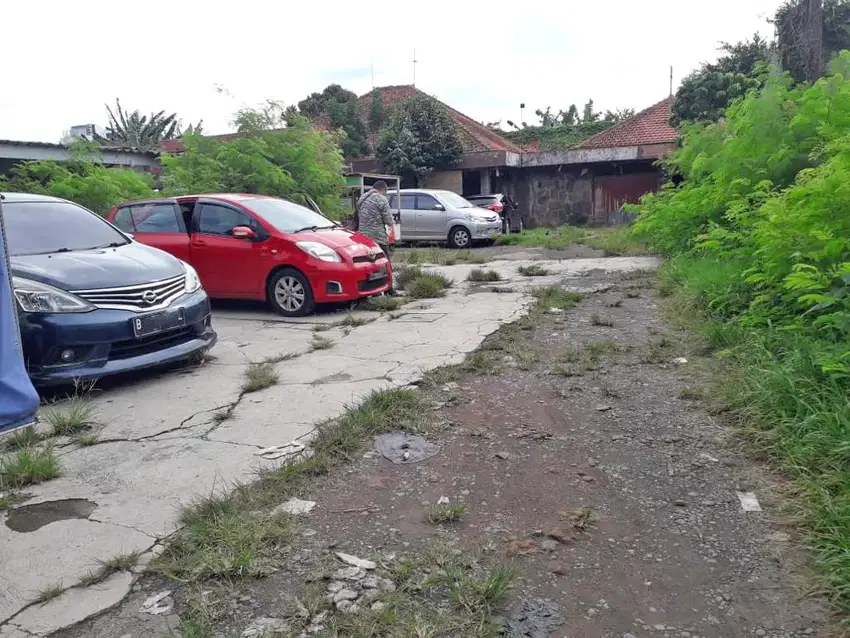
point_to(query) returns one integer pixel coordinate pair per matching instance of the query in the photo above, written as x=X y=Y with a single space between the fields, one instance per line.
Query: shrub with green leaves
x=758 y=233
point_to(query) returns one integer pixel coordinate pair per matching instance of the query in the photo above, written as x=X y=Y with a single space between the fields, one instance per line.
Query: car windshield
x=455 y=201
x=287 y=217
x=39 y=228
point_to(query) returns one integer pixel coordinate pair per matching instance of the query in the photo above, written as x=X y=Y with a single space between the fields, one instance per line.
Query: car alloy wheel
x=289 y=294
x=460 y=238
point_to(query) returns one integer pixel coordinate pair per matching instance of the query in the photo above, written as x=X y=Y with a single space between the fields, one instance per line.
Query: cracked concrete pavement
x=161 y=446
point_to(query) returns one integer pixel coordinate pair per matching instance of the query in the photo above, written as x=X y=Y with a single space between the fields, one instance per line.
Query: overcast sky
x=63 y=60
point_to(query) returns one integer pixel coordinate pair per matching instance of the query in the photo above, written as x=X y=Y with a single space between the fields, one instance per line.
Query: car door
x=408 y=214
x=430 y=218
x=158 y=224
x=229 y=267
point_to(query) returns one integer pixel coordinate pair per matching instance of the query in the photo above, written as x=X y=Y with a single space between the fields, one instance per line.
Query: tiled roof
x=650 y=126
x=475 y=137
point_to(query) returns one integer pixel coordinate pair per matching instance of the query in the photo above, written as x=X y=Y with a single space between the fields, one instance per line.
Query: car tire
x=459 y=237
x=290 y=294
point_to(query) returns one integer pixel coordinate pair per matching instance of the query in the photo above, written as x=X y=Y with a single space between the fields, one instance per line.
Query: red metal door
x=610 y=192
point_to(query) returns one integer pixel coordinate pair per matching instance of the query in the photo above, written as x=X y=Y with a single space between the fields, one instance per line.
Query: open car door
x=18 y=398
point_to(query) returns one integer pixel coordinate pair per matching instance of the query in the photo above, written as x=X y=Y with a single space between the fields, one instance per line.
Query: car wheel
x=459 y=237
x=290 y=293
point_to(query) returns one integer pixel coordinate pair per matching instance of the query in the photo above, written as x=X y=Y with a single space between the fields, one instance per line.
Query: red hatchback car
x=258 y=247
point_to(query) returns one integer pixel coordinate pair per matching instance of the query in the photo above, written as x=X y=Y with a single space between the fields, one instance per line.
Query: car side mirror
x=439 y=207
x=243 y=232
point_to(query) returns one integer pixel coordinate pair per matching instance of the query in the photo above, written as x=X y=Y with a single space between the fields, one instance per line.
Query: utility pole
x=813 y=36
x=414 y=68
x=671 y=80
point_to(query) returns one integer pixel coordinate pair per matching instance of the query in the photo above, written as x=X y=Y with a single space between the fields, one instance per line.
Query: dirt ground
x=590 y=464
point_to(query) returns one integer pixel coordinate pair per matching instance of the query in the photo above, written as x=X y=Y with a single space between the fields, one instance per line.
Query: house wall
x=446 y=180
x=589 y=194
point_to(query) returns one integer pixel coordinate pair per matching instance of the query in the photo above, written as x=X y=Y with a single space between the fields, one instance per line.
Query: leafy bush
x=759 y=236
x=276 y=154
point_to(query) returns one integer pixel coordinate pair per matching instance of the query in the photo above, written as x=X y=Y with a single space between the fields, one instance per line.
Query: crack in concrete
x=155 y=538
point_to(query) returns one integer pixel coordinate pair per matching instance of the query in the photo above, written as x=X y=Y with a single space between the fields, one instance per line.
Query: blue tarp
x=18 y=398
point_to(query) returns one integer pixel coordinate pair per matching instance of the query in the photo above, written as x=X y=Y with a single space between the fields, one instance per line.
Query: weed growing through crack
x=321 y=343
x=222 y=415
x=616 y=303
x=440 y=513
x=191 y=628
x=479 y=274
x=427 y=285
x=259 y=376
x=632 y=294
x=120 y=563
x=349 y=322
x=21 y=439
x=472 y=593
x=556 y=297
x=597 y=320
x=29 y=466
x=532 y=270
x=47 y=594
x=75 y=417
x=383 y=303
x=86 y=440
x=395 y=315
x=439 y=591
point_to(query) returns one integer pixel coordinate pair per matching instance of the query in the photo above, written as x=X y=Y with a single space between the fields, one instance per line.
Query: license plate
x=156 y=322
x=378 y=274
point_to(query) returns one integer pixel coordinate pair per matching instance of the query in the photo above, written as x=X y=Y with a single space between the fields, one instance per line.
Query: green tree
x=84 y=180
x=794 y=37
x=141 y=132
x=343 y=112
x=707 y=92
x=419 y=138
x=377 y=113
x=278 y=153
x=588 y=114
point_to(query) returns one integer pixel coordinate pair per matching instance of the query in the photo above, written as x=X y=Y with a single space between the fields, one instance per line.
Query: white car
x=440 y=215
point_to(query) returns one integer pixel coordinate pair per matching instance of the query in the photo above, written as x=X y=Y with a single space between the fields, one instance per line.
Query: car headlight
x=193 y=282
x=34 y=296
x=479 y=219
x=319 y=251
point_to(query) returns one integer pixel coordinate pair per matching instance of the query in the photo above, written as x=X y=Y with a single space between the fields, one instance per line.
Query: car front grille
x=136 y=347
x=365 y=286
x=365 y=259
x=139 y=298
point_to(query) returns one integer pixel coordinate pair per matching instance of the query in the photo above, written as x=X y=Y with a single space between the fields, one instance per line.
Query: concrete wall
x=446 y=180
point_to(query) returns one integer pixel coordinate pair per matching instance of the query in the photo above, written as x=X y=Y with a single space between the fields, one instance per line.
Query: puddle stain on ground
x=30 y=518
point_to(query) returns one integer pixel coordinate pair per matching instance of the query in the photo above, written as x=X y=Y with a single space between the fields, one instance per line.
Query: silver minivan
x=440 y=215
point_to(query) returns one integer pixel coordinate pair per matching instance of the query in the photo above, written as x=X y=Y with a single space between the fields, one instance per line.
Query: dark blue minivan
x=92 y=302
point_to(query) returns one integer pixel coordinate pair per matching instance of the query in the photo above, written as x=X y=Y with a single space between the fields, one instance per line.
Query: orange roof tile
x=650 y=126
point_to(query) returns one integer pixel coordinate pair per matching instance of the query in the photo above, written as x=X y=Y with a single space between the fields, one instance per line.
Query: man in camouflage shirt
x=373 y=212
x=373 y=217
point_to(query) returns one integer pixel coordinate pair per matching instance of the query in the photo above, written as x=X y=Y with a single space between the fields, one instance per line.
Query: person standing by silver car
x=373 y=213
x=374 y=216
